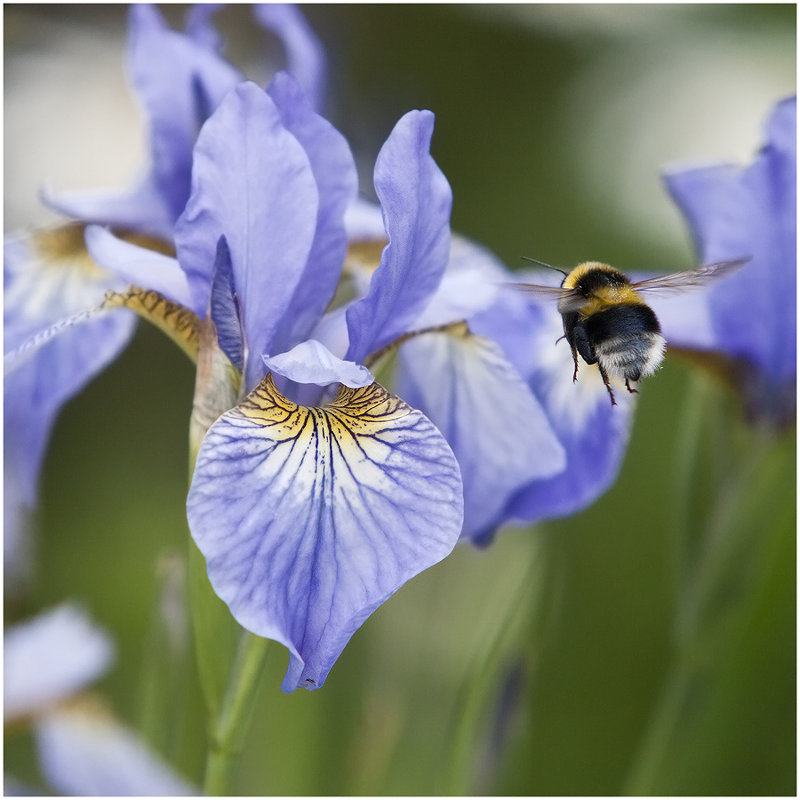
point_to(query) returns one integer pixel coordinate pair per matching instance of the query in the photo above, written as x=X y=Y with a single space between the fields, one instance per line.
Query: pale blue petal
x=49 y=277
x=312 y=362
x=83 y=751
x=469 y=285
x=309 y=519
x=143 y=209
x=50 y=658
x=335 y=174
x=140 y=266
x=752 y=212
x=416 y=200
x=252 y=183
x=305 y=56
x=179 y=82
x=495 y=426
x=593 y=433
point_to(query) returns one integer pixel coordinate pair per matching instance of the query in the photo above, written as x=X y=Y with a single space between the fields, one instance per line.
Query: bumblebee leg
x=629 y=388
x=575 y=359
x=604 y=375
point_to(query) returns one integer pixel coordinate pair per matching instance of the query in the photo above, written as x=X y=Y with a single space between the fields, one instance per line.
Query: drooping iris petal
x=305 y=55
x=312 y=362
x=47 y=277
x=416 y=200
x=593 y=433
x=335 y=174
x=310 y=518
x=83 y=751
x=252 y=183
x=497 y=429
x=50 y=658
x=139 y=266
x=752 y=211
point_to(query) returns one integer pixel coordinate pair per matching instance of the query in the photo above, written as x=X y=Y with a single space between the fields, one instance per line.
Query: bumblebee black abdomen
x=626 y=339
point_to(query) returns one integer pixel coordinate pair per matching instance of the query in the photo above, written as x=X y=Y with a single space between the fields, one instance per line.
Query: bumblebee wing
x=567 y=299
x=675 y=282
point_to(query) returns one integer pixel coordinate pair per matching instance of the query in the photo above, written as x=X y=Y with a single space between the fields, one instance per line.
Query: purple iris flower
x=750 y=317
x=311 y=503
x=180 y=78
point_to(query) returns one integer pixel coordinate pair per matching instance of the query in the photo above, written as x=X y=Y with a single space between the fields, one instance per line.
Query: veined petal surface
x=416 y=200
x=310 y=518
x=254 y=184
x=496 y=427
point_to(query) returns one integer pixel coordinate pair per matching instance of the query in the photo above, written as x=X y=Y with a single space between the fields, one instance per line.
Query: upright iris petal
x=751 y=212
x=416 y=200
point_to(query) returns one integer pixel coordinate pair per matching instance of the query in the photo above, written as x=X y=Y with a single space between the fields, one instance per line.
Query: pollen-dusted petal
x=252 y=183
x=416 y=200
x=85 y=752
x=50 y=658
x=310 y=518
x=496 y=427
x=312 y=362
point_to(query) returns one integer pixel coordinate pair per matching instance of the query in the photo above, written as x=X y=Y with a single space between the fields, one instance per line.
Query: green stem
x=233 y=720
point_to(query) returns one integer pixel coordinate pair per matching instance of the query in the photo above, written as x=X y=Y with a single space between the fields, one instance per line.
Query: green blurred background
x=646 y=645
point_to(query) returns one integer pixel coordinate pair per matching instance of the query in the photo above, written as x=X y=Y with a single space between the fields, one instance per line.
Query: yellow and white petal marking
x=310 y=518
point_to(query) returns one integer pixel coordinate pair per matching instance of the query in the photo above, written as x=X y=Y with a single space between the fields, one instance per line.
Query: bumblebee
x=607 y=322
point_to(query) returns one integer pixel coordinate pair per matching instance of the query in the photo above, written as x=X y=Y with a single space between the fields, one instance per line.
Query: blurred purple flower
x=180 y=79
x=749 y=318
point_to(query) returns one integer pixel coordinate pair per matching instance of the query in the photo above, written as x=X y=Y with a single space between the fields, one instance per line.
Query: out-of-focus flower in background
x=179 y=78
x=49 y=662
x=750 y=318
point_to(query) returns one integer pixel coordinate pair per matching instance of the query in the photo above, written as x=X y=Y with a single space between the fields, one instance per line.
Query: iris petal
x=593 y=433
x=416 y=200
x=51 y=657
x=735 y=212
x=312 y=362
x=86 y=753
x=310 y=518
x=496 y=427
x=253 y=183
x=305 y=56
x=139 y=266
x=335 y=174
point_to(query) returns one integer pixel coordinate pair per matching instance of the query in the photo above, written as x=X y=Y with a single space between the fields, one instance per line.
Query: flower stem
x=229 y=729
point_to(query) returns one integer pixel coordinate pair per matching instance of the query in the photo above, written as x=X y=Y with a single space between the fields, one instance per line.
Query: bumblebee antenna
x=542 y=264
